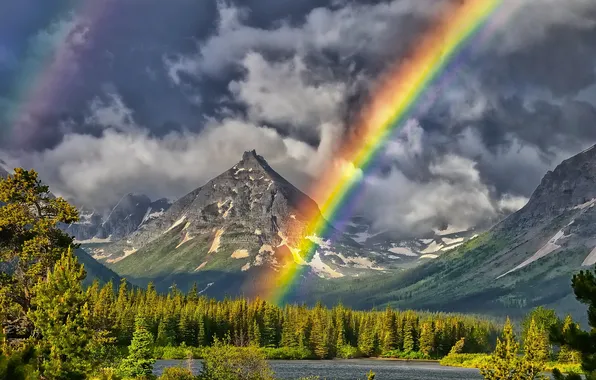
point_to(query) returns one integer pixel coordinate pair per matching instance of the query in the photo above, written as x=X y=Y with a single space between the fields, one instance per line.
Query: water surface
x=351 y=369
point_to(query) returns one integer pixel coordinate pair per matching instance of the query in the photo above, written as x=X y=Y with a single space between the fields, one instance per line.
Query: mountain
x=114 y=223
x=422 y=248
x=239 y=228
x=524 y=261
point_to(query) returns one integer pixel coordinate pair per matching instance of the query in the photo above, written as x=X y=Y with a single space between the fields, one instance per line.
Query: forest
x=55 y=327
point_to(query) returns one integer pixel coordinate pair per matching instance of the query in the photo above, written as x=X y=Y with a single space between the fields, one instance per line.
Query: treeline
x=177 y=319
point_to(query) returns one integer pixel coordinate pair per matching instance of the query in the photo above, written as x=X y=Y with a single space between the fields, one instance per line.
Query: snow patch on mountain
x=176 y=224
x=402 y=251
x=216 y=241
x=548 y=248
x=321 y=269
x=240 y=254
x=432 y=248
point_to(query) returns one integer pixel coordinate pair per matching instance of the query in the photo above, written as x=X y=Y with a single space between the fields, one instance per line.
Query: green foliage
x=570 y=336
x=19 y=365
x=140 y=357
x=177 y=373
x=60 y=313
x=287 y=353
x=458 y=347
x=467 y=360
x=505 y=363
x=30 y=241
x=224 y=362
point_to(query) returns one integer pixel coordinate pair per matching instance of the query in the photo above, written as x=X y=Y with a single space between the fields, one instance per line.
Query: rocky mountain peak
x=571 y=184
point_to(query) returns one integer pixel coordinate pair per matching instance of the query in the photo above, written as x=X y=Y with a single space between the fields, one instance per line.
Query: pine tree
x=255 y=335
x=165 y=334
x=390 y=331
x=458 y=347
x=536 y=353
x=504 y=363
x=366 y=338
x=201 y=336
x=61 y=315
x=408 y=336
x=30 y=239
x=427 y=339
x=566 y=353
x=318 y=338
x=139 y=361
x=584 y=287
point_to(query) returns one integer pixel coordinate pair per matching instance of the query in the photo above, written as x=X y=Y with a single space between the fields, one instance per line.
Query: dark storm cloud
x=162 y=88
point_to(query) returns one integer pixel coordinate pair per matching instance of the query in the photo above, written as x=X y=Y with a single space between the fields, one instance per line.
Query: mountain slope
x=240 y=227
x=525 y=261
x=125 y=217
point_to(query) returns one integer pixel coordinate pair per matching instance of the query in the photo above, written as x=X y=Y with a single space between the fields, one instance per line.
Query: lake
x=351 y=369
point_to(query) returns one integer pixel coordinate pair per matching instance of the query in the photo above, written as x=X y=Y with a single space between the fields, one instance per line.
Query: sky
x=107 y=97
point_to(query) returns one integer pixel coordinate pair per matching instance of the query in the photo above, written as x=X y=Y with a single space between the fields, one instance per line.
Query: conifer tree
x=30 y=240
x=536 y=353
x=61 y=315
x=389 y=330
x=255 y=335
x=566 y=353
x=458 y=347
x=408 y=336
x=584 y=287
x=427 y=339
x=504 y=362
x=201 y=336
x=139 y=361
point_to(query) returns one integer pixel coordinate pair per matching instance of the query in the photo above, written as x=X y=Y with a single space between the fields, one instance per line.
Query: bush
x=466 y=360
x=287 y=353
x=348 y=352
x=224 y=362
x=177 y=373
x=410 y=355
x=106 y=374
x=177 y=353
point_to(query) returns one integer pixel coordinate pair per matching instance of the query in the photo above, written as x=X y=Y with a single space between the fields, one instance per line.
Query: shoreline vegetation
x=54 y=327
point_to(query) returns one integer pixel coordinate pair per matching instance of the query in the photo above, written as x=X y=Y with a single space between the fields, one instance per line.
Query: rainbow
x=400 y=91
x=45 y=79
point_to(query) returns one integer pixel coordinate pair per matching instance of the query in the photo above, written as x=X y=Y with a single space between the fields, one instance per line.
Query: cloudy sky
x=106 y=97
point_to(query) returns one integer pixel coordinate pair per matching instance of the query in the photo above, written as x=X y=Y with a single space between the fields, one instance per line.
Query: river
x=351 y=369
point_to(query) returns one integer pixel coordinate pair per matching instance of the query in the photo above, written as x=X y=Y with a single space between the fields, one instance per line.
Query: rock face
x=247 y=220
x=117 y=222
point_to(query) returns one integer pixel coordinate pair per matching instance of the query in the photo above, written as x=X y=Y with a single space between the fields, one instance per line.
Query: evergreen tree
x=566 y=353
x=427 y=339
x=536 y=353
x=140 y=352
x=201 y=336
x=390 y=331
x=584 y=287
x=504 y=363
x=255 y=335
x=408 y=336
x=61 y=315
x=30 y=240
x=458 y=347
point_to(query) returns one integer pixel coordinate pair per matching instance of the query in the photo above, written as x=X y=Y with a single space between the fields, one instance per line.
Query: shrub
x=287 y=353
x=466 y=360
x=224 y=362
x=348 y=352
x=177 y=373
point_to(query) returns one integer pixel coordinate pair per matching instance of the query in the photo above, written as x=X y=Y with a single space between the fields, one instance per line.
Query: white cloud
x=112 y=113
x=368 y=30
x=520 y=23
